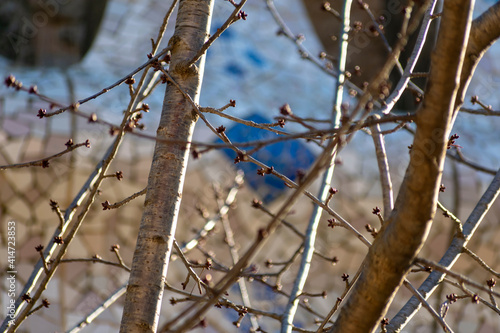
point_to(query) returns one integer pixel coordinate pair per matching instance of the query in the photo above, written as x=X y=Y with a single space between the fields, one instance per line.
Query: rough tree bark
x=166 y=178
x=401 y=238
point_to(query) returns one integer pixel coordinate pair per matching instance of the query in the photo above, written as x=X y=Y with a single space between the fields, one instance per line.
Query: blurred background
x=72 y=49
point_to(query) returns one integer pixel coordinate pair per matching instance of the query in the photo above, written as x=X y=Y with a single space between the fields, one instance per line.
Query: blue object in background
x=286 y=157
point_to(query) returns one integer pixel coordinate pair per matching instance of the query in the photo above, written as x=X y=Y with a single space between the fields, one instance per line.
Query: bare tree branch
x=324 y=192
x=450 y=257
x=408 y=225
x=383 y=167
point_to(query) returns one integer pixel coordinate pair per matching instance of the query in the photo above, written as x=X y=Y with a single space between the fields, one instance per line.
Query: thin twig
x=481 y=262
x=96 y=259
x=456 y=220
x=459 y=277
x=235 y=257
x=210 y=224
x=340 y=299
x=126 y=200
x=429 y=308
x=383 y=167
x=44 y=162
x=483 y=112
x=250 y=123
x=98 y=310
x=412 y=61
x=190 y=270
x=324 y=191
x=233 y=17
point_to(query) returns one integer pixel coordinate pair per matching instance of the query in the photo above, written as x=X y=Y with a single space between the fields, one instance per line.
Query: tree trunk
x=166 y=178
x=398 y=243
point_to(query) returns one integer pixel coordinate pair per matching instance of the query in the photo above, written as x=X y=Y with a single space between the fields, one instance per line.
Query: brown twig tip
x=45 y=303
x=58 y=240
x=376 y=211
x=221 y=129
x=241 y=157
x=195 y=153
x=69 y=143
x=332 y=223
x=33 y=90
x=113 y=131
x=442 y=188
x=491 y=282
x=265 y=171
x=114 y=247
x=357 y=26
x=26 y=297
x=451 y=141
x=167 y=57
x=119 y=175
x=41 y=113
x=130 y=81
x=300 y=38
x=45 y=164
x=345 y=277
x=242 y=15
x=87 y=143
x=263 y=233
x=286 y=110
x=281 y=122
x=10 y=81
x=333 y=190
x=452 y=298
x=39 y=248
x=106 y=205
x=256 y=203
x=54 y=205
x=232 y=103
x=208 y=264
x=474 y=99
x=357 y=70
x=384 y=322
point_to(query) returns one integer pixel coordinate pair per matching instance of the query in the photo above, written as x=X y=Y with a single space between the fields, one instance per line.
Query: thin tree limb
x=412 y=61
x=383 y=167
x=324 y=192
x=450 y=257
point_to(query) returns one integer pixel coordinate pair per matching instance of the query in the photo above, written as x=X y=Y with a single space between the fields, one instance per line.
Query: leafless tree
x=394 y=255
